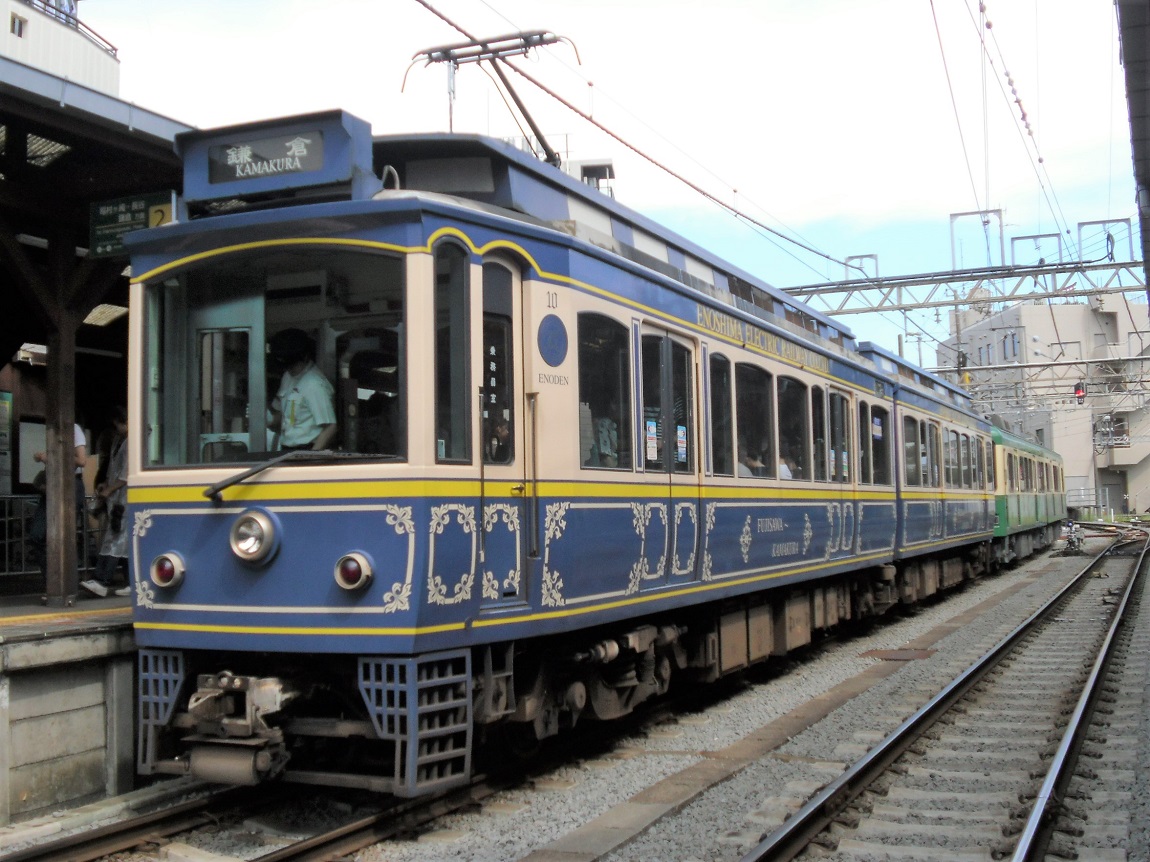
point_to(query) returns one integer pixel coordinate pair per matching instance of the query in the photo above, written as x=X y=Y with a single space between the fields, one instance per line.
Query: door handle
x=518 y=489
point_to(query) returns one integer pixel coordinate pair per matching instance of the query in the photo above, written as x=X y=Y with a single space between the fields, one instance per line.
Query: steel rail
x=1036 y=833
x=794 y=835
x=130 y=833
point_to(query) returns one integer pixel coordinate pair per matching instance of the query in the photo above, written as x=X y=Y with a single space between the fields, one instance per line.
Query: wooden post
x=61 y=579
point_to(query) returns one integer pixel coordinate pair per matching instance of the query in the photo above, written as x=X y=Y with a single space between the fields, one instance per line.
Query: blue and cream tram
x=576 y=458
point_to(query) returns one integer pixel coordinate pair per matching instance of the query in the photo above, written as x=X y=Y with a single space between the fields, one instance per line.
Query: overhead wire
x=769 y=237
x=764 y=230
x=758 y=225
x=1021 y=121
x=954 y=106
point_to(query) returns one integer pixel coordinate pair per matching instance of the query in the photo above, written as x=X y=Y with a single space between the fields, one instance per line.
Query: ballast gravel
x=729 y=818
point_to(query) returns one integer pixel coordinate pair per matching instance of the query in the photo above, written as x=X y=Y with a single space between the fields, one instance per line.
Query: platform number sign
x=110 y=220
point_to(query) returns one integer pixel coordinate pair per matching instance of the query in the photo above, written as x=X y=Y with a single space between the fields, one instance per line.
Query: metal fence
x=22 y=554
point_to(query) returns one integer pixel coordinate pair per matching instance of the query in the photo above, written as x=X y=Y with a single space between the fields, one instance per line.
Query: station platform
x=26 y=617
x=67 y=678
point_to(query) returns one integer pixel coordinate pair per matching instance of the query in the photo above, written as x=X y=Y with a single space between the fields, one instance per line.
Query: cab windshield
x=249 y=355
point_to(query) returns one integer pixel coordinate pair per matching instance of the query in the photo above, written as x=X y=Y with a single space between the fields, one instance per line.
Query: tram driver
x=303 y=410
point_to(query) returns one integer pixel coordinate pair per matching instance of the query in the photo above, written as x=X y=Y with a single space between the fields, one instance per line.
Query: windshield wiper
x=214 y=492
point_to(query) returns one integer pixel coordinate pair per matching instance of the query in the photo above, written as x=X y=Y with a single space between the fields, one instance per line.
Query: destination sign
x=759 y=339
x=297 y=153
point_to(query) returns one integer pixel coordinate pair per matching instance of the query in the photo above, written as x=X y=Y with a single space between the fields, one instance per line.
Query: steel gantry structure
x=988 y=285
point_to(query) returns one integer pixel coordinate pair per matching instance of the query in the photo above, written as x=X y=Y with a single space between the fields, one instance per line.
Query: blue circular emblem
x=552 y=338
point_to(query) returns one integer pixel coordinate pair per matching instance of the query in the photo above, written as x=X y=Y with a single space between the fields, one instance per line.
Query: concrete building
x=1068 y=375
x=47 y=35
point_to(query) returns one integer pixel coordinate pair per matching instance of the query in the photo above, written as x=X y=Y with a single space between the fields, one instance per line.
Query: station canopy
x=64 y=147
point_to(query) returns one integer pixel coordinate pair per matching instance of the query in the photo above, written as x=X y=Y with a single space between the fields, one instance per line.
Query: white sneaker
x=95 y=587
x=124 y=591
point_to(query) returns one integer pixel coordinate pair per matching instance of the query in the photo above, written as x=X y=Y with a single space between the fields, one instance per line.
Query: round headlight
x=167 y=570
x=253 y=536
x=353 y=571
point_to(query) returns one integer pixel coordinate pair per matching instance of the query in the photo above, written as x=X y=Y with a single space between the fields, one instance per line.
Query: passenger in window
x=304 y=407
x=499 y=447
x=787 y=468
x=749 y=463
x=607 y=439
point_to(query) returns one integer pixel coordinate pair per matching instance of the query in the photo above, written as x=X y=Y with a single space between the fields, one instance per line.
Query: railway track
x=983 y=768
x=401 y=823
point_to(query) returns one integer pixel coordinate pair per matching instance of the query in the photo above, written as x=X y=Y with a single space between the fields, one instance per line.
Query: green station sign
x=110 y=220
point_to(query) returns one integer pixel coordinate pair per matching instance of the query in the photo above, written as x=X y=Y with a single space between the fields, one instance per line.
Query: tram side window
x=880 y=444
x=980 y=463
x=683 y=408
x=604 y=393
x=652 y=398
x=913 y=460
x=819 y=431
x=452 y=387
x=952 y=480
x=498 y=419
x=840 y=452
x=964 y=454
x=722 y=427
x=794 y=427
x=934 y=454
x=1010 y=477
x=755 y=415
x=865 y=474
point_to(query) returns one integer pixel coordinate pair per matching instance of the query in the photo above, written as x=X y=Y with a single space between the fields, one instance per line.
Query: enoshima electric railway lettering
x=573 y=460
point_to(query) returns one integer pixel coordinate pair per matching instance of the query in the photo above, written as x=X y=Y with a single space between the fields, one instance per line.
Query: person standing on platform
x=114 y=492
x=304 y=407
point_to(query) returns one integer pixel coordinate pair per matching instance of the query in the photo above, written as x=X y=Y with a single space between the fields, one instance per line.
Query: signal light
x=1080 y=392
x=167 y=570
x=353 y=571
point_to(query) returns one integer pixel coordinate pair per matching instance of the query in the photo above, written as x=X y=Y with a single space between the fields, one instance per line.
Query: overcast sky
x=830 y=120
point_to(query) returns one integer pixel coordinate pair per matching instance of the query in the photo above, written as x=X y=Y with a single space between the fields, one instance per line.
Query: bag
x=97 y=507
x=116 y=518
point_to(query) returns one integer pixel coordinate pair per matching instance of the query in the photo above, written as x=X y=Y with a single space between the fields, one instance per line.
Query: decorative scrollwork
x=708 y=562
x=689 y=567
x=745 y=540
x=490 y=586
x=145 y=595
x=555 y=523
x=509 y=515
x=142 y=523
x=436 y=588
x=639 y=571
x=556 y=519
x=398 y=598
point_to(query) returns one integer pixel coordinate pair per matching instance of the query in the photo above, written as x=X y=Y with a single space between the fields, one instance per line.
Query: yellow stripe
x=327 y=490
x=59 y=615
x=296 y=630
x=415 y=488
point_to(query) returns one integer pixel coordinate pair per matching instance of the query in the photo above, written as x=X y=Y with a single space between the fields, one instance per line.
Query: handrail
x=70 y=19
